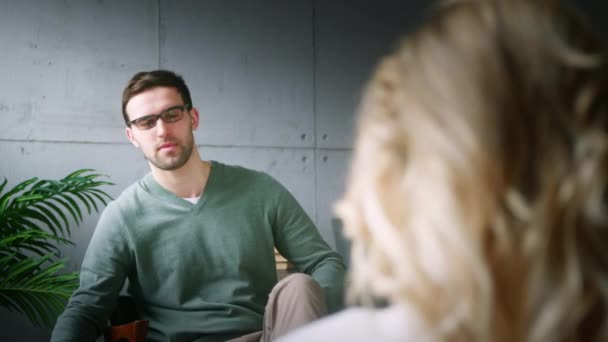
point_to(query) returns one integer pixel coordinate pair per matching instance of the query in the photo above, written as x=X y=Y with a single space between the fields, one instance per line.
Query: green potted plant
x=36 y=216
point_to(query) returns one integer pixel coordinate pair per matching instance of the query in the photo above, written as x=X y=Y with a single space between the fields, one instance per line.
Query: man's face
x=167 y=146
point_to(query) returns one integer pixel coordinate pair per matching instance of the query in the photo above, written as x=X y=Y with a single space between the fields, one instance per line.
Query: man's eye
x=171 y=115
x=146 y=122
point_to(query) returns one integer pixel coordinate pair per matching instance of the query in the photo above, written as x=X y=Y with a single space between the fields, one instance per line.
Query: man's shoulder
x=242 y=173
x=132 y=194
x=235 y=169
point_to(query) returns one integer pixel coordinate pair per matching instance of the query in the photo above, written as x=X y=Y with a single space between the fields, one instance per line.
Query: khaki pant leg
x=293 y=302
x=252 y=337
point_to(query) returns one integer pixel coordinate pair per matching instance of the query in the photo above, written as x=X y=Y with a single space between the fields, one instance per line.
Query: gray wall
x=276 y=83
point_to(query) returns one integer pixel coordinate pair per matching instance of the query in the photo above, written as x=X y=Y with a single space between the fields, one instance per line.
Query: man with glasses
x=196 y=239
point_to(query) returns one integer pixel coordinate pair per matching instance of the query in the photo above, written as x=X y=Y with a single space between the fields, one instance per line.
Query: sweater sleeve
x=103 y=272
x=299 y=241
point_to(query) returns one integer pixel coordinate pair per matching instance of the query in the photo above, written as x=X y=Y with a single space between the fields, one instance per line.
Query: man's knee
x=298 y=283
x=300 y=279
x=300 y=290
x=294 y=301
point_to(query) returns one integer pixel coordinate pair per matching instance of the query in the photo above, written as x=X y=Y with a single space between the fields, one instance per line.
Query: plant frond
x=66 y=206
x=77 y=173
x=38 y=292
x=102 y=196
x=57 y=211
x=36 y=216
x=52 y=215
x=35 y=241
x=4 y=200
x=91 y=200
x=83 y=200
x=17 y=223
x=3 y=185
x=74 y=206
x=33 y=214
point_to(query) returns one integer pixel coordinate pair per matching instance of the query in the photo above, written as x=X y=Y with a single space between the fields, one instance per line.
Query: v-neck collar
x=156 y=190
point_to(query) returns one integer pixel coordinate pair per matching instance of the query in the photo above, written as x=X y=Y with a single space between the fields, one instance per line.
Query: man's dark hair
x=146 y=80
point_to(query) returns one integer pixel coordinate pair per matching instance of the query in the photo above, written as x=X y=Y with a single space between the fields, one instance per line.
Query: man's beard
x=173 y=163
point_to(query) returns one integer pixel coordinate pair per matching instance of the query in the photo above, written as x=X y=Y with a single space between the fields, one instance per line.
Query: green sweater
x=198 y=272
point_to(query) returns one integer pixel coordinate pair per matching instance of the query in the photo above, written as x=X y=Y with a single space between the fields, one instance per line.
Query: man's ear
x=129 y=133
x=194 y=117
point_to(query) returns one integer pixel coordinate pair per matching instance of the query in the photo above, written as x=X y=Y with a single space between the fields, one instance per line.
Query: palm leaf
x=78 y=173
x=35 y=241
x=59 y=213
x=35 y=217
x=4 y=200
x=101 y=196
x=84 y=200
x=52 y=222
x=66 y=206
x=73 y=205
x=36 y=291
x=90 y=199
x=3 y=185
x=48 y=200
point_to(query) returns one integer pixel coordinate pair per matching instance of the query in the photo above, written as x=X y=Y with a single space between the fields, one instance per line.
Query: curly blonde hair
x=478 y=189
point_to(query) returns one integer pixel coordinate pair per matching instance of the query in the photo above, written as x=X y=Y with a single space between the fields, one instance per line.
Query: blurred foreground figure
x=477 y=196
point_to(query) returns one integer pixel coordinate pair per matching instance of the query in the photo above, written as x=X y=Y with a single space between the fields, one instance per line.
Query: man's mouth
x=166 y=146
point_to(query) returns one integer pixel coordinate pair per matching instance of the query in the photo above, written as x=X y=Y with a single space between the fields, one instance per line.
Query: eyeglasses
x=170 y=115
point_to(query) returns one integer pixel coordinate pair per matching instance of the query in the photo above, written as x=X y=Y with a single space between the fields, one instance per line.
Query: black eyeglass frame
x=163 y=115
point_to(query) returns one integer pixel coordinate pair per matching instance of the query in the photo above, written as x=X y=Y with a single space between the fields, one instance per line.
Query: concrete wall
x=276 y=83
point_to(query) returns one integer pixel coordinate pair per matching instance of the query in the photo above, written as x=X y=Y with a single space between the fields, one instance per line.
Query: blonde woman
x=477 y=200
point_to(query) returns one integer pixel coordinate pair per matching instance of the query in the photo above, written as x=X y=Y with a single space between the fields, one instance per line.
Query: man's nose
x=161 y=127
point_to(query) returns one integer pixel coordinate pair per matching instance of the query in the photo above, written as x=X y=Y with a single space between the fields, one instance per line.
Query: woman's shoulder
x=395 y=323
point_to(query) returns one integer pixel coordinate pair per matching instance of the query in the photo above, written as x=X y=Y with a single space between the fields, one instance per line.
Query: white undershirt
x=192 y=200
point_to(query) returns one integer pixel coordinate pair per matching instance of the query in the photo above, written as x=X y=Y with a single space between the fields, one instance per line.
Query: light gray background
x=276 y=83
